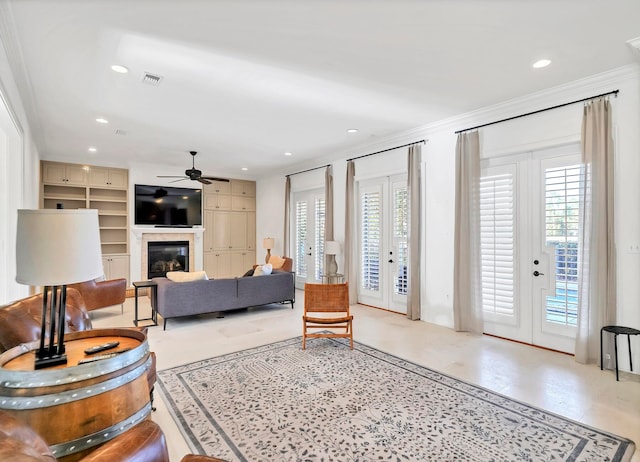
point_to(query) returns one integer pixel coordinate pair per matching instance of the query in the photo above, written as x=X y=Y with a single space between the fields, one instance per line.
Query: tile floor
x=549 y=380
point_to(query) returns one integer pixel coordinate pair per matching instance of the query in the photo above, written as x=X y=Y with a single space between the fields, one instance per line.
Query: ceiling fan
x=193 y=173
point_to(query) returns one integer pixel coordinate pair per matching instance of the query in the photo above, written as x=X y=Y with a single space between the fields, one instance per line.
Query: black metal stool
x=618 y=330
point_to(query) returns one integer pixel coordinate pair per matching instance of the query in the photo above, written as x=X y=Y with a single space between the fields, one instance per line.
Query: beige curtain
x=328 y=209
x=414 y=232
x=350 y=267
x=287 y=217
x=596 y=246
x=467 y=304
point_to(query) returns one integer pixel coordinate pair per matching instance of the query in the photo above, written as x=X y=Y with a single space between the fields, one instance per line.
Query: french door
x=529 y=226
x=308 y=225
x=382 y=238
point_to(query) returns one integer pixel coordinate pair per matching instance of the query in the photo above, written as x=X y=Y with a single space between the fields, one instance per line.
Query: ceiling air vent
x=120 y=131
x=151 y=79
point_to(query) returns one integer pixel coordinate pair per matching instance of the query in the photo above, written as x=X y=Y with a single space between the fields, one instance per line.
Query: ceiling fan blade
x=172 y=176
x=180 y=179
x=213 y=178
x=203 y=180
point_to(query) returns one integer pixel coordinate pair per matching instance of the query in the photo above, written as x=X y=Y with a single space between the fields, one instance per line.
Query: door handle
x=538 y=273
x=390 y=261
x=309 y=254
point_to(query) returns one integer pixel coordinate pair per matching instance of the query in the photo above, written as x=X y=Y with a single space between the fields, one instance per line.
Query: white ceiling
x=245 y=81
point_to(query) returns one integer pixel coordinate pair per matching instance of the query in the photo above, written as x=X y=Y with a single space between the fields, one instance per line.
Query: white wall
x=551 y=128
x=19 y=163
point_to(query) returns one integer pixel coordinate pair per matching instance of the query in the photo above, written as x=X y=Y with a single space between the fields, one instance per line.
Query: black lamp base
x=50 y=361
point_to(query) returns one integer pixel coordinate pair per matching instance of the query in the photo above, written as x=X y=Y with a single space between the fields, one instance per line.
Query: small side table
x=154 y=314
x=618 y=330
x=332 y=278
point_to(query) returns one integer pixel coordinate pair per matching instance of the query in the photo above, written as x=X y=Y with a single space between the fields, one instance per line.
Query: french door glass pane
x=301 y=238
x=562 y=188
x=371 y=234
x=400 y=227
x=497 y=243
x=319 y=244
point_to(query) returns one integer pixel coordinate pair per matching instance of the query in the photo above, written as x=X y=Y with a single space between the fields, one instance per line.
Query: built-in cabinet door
x=217 y=265
x=65 y=174
x=229 y=231
x=243 y=188
x=209 y=230
x=243 y=204
x=217 y=202
x=220 y=239
x=116 y=266
x=218 y=187
x=251 y=231
x=241 y=262
x=108 y=177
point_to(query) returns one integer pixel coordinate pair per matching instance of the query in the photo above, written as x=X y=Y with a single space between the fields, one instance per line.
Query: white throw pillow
x=181 y=276
x=263 y=270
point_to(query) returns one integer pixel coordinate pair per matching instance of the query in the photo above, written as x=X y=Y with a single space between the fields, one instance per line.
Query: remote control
x=101 y=357
x=98 y=348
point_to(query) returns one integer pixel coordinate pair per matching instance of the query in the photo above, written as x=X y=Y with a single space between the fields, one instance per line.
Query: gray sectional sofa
x=175 y=299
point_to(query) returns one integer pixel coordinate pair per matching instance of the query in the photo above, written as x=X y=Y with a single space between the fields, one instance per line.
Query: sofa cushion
x=263 y=270
x=181 y=276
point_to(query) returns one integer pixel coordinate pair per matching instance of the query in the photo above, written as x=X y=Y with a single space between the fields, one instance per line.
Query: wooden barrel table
x=75 y=407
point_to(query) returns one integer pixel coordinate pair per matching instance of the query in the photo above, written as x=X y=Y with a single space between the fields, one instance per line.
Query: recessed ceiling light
x=288 y=154
x=119 y=69
x=101 y=120
x=352 y=130
x=92 y=149
x=245 y=169
x=541 y=63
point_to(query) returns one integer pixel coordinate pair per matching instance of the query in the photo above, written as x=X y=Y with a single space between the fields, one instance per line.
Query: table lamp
x=55 y=248
x=332 y=248
x=268 y=243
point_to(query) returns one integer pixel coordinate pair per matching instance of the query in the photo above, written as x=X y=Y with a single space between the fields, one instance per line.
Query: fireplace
x=163 y=256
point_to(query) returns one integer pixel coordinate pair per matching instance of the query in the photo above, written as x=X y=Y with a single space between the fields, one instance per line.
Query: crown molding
x=17 y=68
x=577 y=89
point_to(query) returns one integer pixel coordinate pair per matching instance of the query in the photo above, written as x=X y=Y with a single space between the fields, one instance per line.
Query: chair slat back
x=326 y=298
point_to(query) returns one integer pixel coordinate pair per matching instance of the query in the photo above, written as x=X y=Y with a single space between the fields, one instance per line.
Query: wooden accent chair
x=326 y=306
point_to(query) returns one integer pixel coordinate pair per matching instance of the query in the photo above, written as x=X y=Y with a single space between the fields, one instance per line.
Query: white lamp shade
x=56 y=247
x=332 y=248
x=268 y=243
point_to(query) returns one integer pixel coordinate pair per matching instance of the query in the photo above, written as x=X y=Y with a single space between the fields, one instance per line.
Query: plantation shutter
x=400 y=227
x=562 y=201
x=319 y=244
x=301 y=238
x=497 y=243
x=371 y=234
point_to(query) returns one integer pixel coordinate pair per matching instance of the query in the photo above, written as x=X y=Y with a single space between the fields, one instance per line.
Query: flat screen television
x=167 y=206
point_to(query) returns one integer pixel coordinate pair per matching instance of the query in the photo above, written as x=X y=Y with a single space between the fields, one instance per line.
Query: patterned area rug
x=328 y=403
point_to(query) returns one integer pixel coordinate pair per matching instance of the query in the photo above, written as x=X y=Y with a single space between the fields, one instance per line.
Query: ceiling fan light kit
x=193 y=173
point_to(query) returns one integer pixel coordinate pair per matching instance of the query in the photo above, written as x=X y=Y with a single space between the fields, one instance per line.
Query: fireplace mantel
x=143 y=234
x=138 y=231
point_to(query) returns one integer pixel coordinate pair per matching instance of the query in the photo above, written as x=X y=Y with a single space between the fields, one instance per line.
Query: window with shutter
x=497 y=243
x=301 y=238
x=319 y=244
x=562 y=188
x=371 y=227
x=400 y=227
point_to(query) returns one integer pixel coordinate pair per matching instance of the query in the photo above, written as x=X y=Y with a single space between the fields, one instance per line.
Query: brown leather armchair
x=21 y=321
x=101 y=294
x=143 y=442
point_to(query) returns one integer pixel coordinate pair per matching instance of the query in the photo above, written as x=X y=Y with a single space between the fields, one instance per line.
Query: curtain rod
x=614 y=92
x=309 y=170
x=385 y=150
